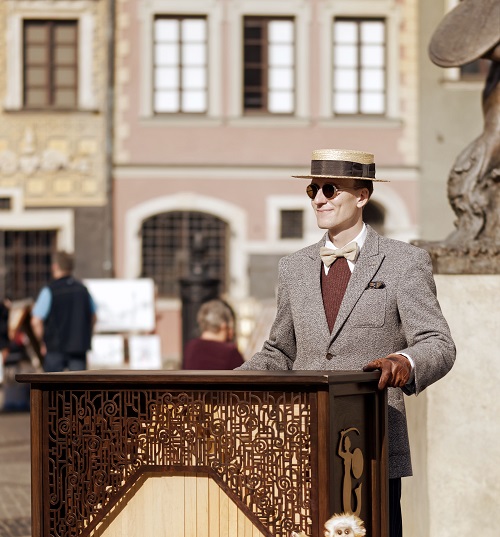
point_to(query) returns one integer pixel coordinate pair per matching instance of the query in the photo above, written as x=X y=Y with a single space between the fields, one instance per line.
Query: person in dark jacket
x=215 y=348
x=63 y=318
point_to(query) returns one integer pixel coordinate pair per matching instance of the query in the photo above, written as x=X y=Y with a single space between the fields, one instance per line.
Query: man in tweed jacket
x=388 y=319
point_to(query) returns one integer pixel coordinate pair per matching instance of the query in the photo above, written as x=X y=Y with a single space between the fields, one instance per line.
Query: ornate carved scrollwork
x=258 y=444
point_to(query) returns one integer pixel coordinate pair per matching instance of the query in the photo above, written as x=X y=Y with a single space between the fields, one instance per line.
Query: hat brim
x=467 y=32
x=340 y=177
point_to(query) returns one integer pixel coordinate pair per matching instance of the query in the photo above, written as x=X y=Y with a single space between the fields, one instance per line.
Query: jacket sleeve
x=279 y=350
x=429 y=341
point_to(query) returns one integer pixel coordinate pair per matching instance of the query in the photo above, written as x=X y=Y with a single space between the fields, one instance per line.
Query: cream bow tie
x=349 y=251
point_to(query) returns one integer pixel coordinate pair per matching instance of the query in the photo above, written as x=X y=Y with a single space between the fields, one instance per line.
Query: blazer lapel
x=368 y=262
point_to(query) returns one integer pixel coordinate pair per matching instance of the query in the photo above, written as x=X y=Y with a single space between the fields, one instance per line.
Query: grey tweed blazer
x=403 y=315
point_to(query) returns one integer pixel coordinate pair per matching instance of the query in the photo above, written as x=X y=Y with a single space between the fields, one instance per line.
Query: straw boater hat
x=466 y=33
x=341 y=164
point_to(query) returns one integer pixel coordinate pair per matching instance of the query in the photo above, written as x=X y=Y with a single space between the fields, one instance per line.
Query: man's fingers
x=371 y=366
x=385 y=376
x=395 y=370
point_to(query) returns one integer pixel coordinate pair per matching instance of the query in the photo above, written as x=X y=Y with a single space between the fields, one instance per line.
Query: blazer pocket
x=370 y=309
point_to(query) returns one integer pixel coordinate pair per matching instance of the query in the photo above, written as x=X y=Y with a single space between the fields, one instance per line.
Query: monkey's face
x=344 y=526
x=342 y=530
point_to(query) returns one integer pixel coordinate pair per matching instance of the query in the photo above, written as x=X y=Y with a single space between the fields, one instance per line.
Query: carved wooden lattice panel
x=257 y=443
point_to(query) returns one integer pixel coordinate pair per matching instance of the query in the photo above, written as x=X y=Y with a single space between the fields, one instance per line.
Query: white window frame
x=147 y=11
x=360 y=9
x=301 y=13
x=19 y=219
x=276 y=204
x=81 y=11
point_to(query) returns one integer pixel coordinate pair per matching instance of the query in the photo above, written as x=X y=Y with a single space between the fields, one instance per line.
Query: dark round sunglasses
x=329 y=190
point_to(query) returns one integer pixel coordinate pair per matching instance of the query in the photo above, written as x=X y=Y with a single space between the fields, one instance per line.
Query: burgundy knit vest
x=333 y=286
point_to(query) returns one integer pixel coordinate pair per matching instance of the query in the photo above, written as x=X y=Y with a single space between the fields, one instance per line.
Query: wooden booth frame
x=288 y=448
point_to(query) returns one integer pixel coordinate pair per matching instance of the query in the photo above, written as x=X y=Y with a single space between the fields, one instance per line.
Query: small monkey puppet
x=345 y=524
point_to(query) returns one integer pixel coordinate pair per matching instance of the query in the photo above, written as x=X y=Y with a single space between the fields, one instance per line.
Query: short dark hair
x=64 y=261
x=364 y=183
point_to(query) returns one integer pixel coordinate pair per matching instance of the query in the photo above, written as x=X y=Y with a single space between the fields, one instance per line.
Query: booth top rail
x=205 y=377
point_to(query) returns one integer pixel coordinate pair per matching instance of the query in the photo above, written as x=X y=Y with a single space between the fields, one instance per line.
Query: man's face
x=341 y=212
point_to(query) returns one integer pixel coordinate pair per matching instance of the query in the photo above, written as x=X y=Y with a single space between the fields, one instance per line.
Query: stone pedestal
x=455 y=424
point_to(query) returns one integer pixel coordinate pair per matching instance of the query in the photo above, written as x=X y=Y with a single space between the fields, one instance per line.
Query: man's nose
x=320 y=198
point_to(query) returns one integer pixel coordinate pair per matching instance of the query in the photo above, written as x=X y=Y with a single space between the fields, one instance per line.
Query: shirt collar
x=360 y=239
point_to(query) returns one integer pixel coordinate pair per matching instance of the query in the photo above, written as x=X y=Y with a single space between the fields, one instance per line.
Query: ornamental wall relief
x=55 y=164
x=56 y=156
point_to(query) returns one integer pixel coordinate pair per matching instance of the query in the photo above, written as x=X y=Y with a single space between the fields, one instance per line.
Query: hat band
x=342 y=168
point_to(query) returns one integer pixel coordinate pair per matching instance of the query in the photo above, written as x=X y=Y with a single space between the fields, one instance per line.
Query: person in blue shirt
x=63 y=318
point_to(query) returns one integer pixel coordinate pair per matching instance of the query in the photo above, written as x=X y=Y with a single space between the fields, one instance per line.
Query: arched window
x=168 y=243
x=374 y=214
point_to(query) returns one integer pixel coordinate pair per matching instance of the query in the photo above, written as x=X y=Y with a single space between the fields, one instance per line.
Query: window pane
x=253 y=29
x=36 y=97
x=372 y=56
x=168 y=245
x=269 y=74
x=65 y=98
x=373 y=32
x=193 y=78
x=65 y=76
x=167 y=101
x=253 y=54
x=64 y=55
x=194 y=30
x=372 y=103
x=253 y=77
x=280 y=32
x=345 y=103
x=359 y=67
x=50 y=75
x=193 y=54
x=346 y=32
x=167 y=54
x=291 y=224
x=26 y=257
x=280 y=102
x=167 y=77
x=166 y=30
x=36 y=76
x=180 y=59
x=346 y=56
x=36 y=33
x=373 y=79
x=193 y=101
x=346 y=79
x=281 y=55
x=36 y=54
x=65 y=34
x=253 y=100
x=281 y=79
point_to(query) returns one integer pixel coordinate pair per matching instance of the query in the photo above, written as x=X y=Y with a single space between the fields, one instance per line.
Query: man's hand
x=395 y=368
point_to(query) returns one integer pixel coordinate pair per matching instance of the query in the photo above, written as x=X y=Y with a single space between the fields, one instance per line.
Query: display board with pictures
x=123 y=305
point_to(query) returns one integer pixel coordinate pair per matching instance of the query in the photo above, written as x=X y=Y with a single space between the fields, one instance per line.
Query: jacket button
x=329 y=356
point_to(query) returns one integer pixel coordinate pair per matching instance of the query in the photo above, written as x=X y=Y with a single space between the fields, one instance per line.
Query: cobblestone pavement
x=15 y=491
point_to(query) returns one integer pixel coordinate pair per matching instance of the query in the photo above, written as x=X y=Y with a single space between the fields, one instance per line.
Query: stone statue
x=469 y=32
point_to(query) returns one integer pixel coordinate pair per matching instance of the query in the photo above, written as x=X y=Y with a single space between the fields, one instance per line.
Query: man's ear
x=363 y=197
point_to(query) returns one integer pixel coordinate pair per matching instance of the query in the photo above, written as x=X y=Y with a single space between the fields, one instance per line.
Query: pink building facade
x=219 y=102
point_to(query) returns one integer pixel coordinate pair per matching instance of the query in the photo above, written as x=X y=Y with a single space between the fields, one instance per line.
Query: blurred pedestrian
x=4 y=328
x=215 y=348
x=63 y=318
